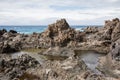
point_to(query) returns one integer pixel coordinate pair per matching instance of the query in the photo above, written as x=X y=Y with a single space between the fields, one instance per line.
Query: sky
x=44 y=12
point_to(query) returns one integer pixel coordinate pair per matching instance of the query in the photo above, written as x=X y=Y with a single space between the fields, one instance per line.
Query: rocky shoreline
x=60 y=41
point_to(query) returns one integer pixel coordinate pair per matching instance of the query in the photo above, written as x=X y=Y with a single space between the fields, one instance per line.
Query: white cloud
x=38 y=12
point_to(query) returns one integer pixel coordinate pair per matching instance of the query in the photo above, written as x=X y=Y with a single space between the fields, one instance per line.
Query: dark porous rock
x=111 y=24
x=95 y=77
x=60 y=33
x=8 y=49
x=15 y=68
x=112 y=29
x=3 y=31
x=5 y=47
x=89 y=75
x=55 y=28
x=106 y=43
x=13 y=31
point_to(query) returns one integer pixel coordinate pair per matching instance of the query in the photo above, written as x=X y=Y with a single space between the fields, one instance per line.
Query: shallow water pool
x=90 y=58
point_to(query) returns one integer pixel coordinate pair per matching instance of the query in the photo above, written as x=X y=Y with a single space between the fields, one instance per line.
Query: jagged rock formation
x=103 y=39
x=7 y=43
x=57 y=34
x=100 y=38
x=116 y=31
x=109 y=64
x=61 y=33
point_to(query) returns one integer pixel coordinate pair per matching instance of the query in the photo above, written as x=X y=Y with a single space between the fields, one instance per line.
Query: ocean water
x=31 y=29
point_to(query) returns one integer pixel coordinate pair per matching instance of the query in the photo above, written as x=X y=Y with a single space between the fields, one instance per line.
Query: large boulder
x=10 y=47
x=3 y=31
x=13 y=31
x=112 y=29
x=55 y=28
x=15 y=68
x=60 y=33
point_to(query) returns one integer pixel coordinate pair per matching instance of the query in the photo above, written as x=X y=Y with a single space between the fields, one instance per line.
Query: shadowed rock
x=15 y=68
x=3 y=31
x=13 y=31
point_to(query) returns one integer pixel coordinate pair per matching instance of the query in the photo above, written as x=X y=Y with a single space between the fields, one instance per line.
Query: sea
x=37 y=29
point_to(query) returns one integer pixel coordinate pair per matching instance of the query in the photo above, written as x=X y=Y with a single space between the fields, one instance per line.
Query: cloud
x=43 y=12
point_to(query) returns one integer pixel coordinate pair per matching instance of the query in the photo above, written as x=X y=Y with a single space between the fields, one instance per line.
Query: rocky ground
x=59 y=42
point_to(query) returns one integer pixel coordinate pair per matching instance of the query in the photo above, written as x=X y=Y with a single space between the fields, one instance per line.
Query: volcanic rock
x=10 y=47
x=61 y=33
x=15 y=68
x=91 y=29
x=3 y=31
x=13 y=31
x=116 y=32
x=115 y=52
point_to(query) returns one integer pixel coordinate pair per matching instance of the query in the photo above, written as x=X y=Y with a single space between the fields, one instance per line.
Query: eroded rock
x=61 y=33
x=15 y=68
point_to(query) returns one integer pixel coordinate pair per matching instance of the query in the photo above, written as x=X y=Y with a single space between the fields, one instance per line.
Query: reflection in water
x=90 y=58
x=40 y=58
x=34 y=55
x=50 y=57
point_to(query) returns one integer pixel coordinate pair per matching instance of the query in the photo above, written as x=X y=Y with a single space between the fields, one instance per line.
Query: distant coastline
x=29 y=29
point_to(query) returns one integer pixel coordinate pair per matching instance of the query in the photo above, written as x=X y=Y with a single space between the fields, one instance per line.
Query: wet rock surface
x=65 y=70
x=58 y=51
x=26 y=67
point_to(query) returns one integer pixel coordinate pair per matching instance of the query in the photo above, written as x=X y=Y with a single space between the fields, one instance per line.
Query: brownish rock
x=91 y=29
x=55 y=28
x=61 y=33
x=116 y=32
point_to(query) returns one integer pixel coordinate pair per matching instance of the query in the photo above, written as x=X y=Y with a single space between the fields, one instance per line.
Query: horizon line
x=48 y=25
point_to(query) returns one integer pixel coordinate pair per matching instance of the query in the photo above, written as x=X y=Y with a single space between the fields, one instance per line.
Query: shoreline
x=60 y=40
x=17 y=27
